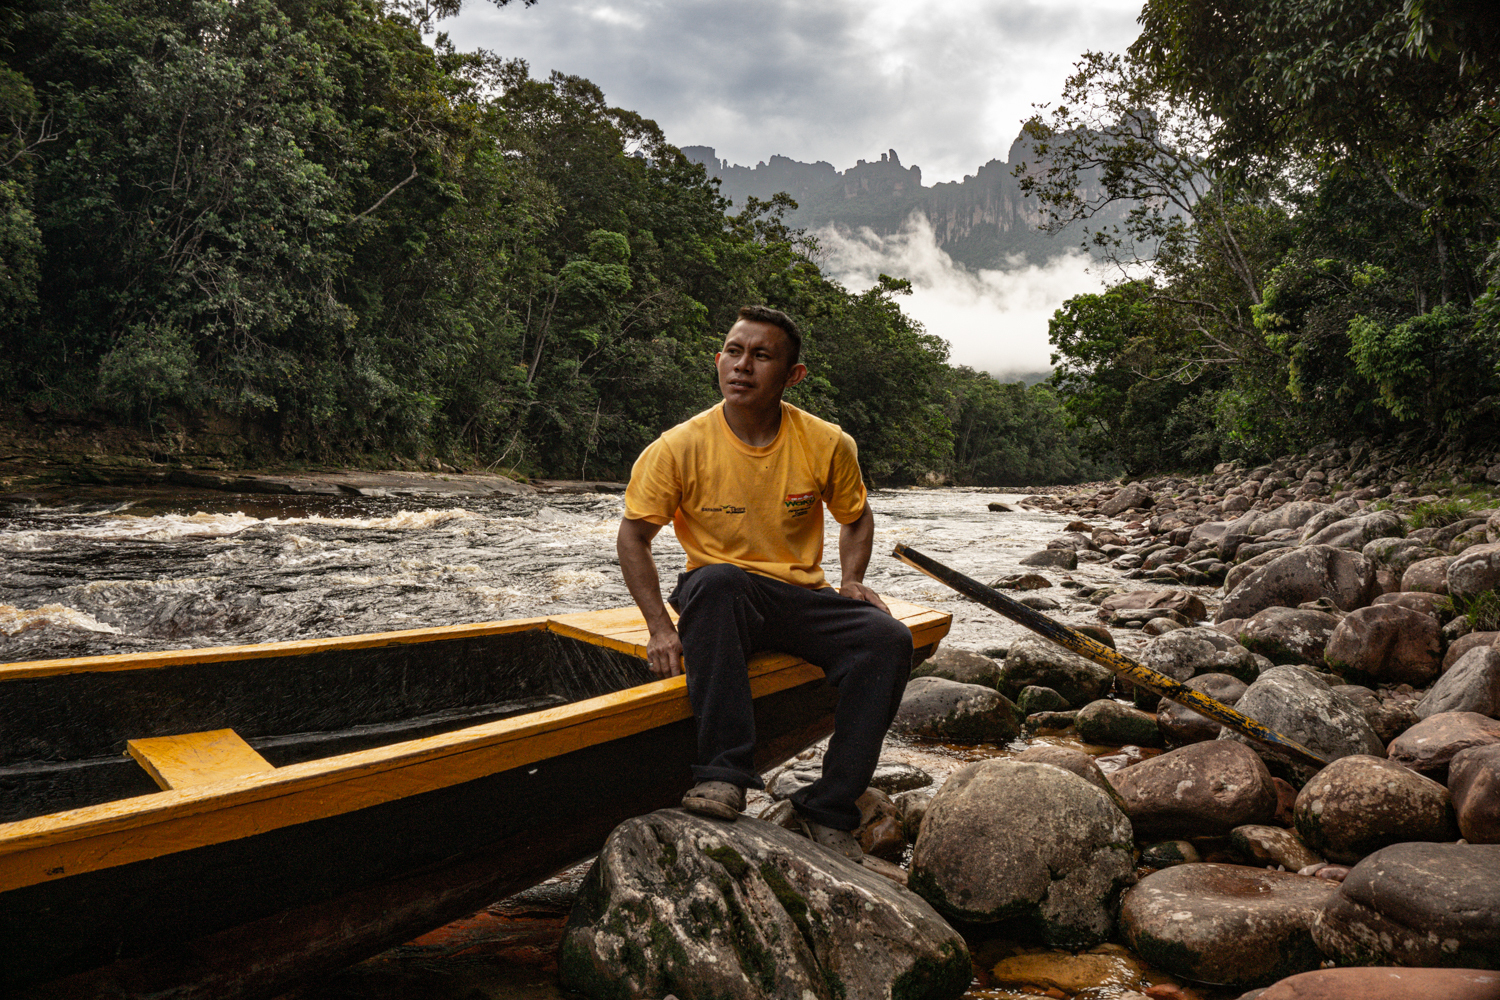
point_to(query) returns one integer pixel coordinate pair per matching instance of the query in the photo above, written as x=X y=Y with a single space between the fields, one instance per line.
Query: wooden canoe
x=220 y=823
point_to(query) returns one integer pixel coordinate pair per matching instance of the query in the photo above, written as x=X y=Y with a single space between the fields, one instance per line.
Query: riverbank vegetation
x=301 y=221
x=1312 y=251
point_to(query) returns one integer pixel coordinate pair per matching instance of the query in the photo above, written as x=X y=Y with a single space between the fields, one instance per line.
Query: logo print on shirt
x=727 y=508
x=797 y=504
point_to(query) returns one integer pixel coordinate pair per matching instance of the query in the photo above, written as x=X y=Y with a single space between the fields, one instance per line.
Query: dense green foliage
x=1313 y=233
x=301 y=219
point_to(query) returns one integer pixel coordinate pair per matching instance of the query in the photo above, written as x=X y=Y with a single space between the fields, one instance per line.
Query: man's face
x=755 y=365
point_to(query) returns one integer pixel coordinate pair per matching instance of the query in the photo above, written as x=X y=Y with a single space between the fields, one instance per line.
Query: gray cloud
x=945 y=83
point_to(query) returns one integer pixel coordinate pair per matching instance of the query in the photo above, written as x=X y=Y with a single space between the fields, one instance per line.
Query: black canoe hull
x=248 y=917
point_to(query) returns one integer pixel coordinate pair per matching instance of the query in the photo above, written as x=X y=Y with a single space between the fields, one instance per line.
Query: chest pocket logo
x=798 y=504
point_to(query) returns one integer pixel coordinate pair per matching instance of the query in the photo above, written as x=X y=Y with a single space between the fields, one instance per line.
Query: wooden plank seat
x=196 y=758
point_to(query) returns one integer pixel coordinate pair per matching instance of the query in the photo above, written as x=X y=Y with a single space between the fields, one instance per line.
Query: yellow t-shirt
x=758 y=508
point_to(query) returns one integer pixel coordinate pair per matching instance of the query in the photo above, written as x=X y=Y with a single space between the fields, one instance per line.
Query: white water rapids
x=109 y=574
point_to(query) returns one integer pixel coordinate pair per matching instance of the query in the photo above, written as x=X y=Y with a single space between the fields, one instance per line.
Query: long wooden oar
x=1106 y=657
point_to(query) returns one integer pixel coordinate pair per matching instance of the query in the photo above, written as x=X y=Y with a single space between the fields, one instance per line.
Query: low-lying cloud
x=993 y=320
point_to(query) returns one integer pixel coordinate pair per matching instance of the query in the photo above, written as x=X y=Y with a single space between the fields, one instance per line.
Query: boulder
x=1431 y=744
x=1201 y=790
x=1022 y=581
x=1472 y=685
x=1355 y=532
x=1322 y=519
x=1181 y=725
x=889 y=777
x=1386 y=644
x=1036 y=661
x=1166 y=853
x=1056 y=558
x=880 y=831
x=959 y=713
x=1110 y=723
x=1474 y=783
x=1289 y=635
x=1305 y=574
x=913 y=805
x=1386 y=983
x=1184 y=602
x=1033 y=699
x=1417 y=905
x=1184 y=653
x=1225 y=924
x=1359 y=804
x=960 y=665
x=1033 y=844
x=1293 y=702
x=1397 y=553
x=1474 y=571
x=679 y=904
x=1458 y=648
x=1131 y=497
x=1246 y=567
x=1427 y=575
x=1270 y=846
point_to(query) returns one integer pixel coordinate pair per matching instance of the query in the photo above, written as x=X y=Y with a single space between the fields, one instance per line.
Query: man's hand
x=860 y=592
x=664 y=652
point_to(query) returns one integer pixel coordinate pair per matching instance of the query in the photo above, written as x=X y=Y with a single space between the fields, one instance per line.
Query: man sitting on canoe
x=744 y=484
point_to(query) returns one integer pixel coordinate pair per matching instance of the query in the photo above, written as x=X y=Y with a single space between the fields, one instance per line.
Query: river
x=108 y=570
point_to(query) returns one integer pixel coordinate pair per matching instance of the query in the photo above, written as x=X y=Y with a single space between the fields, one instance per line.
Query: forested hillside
x=298 y=220
x=1318 y=182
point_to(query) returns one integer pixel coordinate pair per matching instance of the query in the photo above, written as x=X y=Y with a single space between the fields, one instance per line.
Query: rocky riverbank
x=1354 y=612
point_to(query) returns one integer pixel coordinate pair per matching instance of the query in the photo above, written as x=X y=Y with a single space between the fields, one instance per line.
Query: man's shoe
x=718 y=799
x=839 y=841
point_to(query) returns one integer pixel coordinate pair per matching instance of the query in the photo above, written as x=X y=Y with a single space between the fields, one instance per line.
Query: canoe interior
x=64 y=734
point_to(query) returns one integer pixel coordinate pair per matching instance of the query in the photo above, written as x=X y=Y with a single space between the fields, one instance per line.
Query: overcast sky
x=946 y=83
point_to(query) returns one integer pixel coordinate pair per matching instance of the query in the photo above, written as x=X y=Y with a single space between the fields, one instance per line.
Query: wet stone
x=960 y=665
x=1110 y=723
x=1388 y=983
x=1225 y=924
x=961 y=713
x=1431 y=744
x=1166 y=853
x=1033 y=699
x=1037 y=662
x=1076 y=761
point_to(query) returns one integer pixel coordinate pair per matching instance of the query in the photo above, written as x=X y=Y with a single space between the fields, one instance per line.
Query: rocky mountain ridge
x=980 y=221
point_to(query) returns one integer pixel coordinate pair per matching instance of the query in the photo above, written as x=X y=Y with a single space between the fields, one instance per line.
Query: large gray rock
x=1417 y=905
x=961 y=713
x=1132 y=496
x=1472 y=685
x=1300 y=706
x=960 y=665
x=1270 y=846
x=1007 y=840
x=1354 y=532
x=1225 y=924
x=1077 y=761
x=1416 y=600
x=1459 y=648
x=1040 y=663
x=678 y=904
x=1302 y=575
x=1474 y=783
x=1288 y=635
x=1187 y=652
x=1431 y=744
x=1390 y=713
x=1359 y=804
x=1386 y=644
x=1328 y=515
x=1246 y=567
x=1181 y=725
x=1201 y=790
x=1474 y=571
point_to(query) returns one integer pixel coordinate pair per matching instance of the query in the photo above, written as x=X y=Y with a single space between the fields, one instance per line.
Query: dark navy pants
x=727 y=615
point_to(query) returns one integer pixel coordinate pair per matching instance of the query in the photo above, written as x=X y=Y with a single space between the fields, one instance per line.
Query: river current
x=106 y=572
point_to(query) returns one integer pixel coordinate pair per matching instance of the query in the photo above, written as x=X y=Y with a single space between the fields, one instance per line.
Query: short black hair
x=776 y=318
